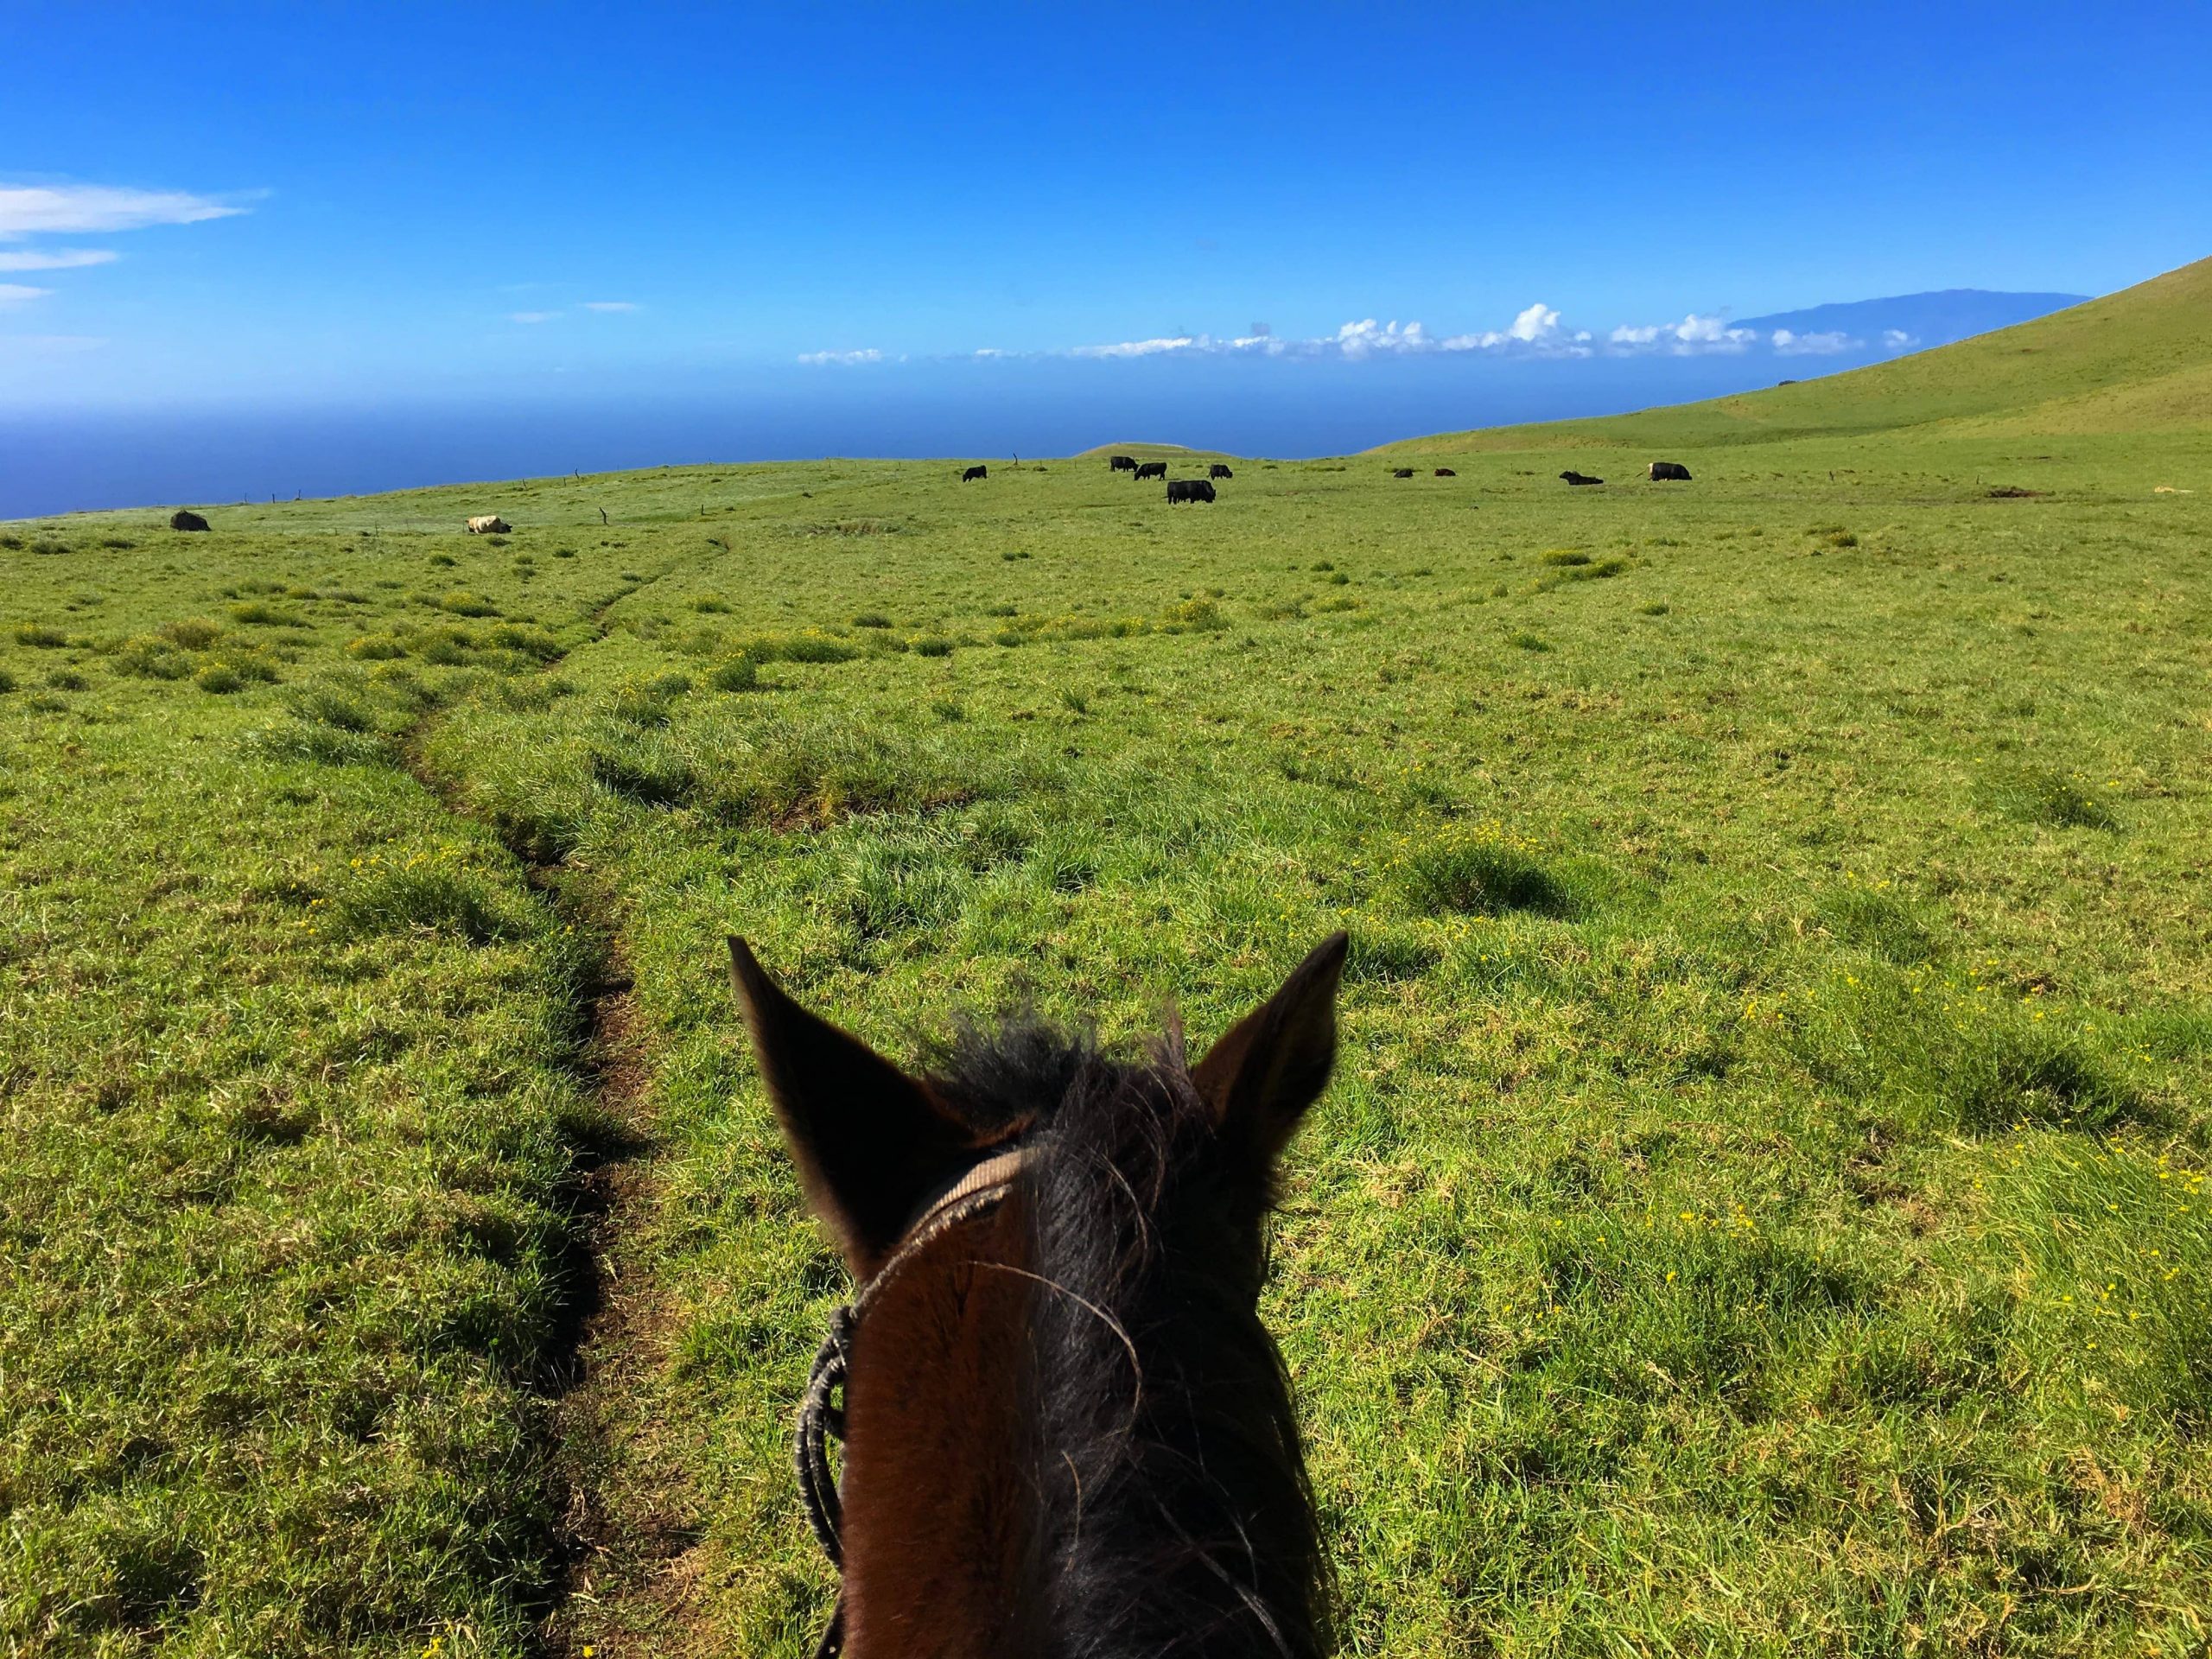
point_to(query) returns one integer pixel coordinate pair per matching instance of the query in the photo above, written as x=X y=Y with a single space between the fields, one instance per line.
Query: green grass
x=1762 y=1208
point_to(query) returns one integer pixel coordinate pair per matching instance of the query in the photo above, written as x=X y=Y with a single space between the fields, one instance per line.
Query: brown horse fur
x=1068 y=1435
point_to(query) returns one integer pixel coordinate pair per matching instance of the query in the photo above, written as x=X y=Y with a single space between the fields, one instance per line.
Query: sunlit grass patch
x=738 y=674
x=424 y=896
x=150 y=656
x=2010 y=1068
x=323 y=745
x=787 y=773
x=2043 y=795
x=330 y=705
x=649 y=775
x=1879 y=921
x=1484 y=872
x=191 y=632
x=808 y=645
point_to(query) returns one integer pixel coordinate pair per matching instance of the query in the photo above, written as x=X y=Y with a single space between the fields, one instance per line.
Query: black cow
x=1445 y=472
x=1661 y=470
x=183 y=519
x=974 y=472
x=1219 y=470
x=1402 y=472
x=1189 y=489
x=1151 y=469
x=1122 y=464
x=1573 y=477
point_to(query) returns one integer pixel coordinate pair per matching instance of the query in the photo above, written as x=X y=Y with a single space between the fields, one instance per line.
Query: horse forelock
x=1174 y=1514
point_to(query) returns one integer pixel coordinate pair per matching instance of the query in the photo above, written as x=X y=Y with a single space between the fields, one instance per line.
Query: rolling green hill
x=2138 y=361
x=1764 y=1202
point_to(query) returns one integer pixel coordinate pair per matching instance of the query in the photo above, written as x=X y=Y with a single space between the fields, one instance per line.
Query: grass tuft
x=2040 y=795
x=425 y=898
x=1483 y=872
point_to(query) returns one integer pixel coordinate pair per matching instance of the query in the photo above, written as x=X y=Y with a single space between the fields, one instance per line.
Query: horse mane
x=1175 y=1516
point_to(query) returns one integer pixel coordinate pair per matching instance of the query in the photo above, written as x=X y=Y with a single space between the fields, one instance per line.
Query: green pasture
x=1762 y=1207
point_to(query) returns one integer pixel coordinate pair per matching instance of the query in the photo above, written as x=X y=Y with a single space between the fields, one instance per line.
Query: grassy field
x=1763 y=1206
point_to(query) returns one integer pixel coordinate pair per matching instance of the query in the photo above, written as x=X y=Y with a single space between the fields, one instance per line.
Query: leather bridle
x=821 y=1419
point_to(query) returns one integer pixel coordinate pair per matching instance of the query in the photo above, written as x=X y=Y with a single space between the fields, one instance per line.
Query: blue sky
x=265 y=207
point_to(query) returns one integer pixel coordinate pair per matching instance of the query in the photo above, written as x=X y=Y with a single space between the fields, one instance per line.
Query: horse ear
x=1272 y=1064
x=869 y=1142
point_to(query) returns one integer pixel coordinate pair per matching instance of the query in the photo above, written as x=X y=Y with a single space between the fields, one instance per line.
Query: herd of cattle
x=1661 y=471
x=1179 y=489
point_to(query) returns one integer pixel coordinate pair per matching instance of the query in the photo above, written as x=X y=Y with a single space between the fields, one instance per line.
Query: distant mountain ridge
x=1915 y=321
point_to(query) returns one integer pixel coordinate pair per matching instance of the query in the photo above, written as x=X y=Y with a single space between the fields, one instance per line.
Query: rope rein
x=820 y=1408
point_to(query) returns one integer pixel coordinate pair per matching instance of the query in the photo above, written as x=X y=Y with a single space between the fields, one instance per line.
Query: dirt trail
x=610 y=1342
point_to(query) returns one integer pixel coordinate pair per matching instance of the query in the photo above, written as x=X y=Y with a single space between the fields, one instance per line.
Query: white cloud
x=59 y=259
x=1359 y=339
x=1896 y=339
x=16 y=293
x=1536 y=331
x=610 y=305
x=1787 y=344
x=532 y=316
x=1692 y=336
x=1147 y=347
x=1538 y=323
x=73 y=209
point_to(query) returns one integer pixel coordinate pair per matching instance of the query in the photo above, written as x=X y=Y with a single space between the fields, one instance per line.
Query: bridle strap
x=820 y=1417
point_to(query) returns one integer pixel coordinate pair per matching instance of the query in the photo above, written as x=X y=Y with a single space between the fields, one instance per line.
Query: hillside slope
x=2139 y=360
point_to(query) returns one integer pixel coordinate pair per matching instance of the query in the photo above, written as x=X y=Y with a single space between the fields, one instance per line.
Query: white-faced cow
x=974 y=472
x=489 y=523
x=1661 y=470
x=1189 y=489
x=1151 y=469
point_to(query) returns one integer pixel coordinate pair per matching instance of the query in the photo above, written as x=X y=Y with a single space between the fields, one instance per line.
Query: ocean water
x=55 y=461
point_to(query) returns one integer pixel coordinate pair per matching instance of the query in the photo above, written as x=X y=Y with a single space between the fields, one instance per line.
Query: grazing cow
x=1573 y=477
x=1219 y=470
x=489 y=523
x=1122 y=464
x=1189 y=489
x=183 y=519
x=1402 y=472
x=1151 y=469
x=1661 y=470
x=1445 y=472
x=975 y=473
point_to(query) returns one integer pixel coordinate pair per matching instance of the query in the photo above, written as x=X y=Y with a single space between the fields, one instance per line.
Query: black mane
x=1175 y=1513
